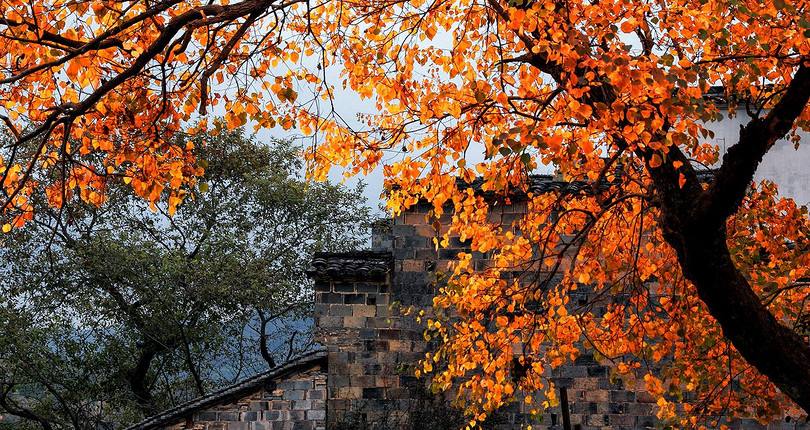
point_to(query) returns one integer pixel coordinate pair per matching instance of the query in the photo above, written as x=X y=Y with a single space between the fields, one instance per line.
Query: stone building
x=363 y=376
x=290 y=396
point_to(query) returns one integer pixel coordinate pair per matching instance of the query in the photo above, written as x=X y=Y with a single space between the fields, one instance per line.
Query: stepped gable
x=358 y=265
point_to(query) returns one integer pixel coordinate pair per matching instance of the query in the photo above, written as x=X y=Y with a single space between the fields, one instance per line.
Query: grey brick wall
x=596 y=400
x=370 y=348
x=373 y=347
x=296 y=402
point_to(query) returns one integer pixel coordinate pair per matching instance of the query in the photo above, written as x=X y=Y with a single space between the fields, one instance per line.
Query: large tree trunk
x=137 y=376
x=694 y=224
x=775 y=350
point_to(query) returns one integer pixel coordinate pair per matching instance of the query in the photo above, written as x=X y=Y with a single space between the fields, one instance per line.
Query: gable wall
x=295 y=402
x=370 y=350
x=597 y=400
x=371 y=346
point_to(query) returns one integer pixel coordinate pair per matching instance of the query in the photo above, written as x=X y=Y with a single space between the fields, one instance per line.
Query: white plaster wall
x=789 y=168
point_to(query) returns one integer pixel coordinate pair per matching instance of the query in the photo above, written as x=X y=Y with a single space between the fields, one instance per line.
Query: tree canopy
x=702 y=277
x=112 y=313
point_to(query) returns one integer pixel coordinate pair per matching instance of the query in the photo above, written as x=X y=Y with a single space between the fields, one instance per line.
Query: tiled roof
x=539 y=184
x=371 y=265
x=536 y=184
x=235 y=391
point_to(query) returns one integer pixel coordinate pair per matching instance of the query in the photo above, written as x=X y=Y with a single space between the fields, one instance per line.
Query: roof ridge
x=234 y=389
x=364 y=253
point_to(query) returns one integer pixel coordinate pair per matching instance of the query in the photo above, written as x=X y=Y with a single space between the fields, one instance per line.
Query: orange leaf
x=655 y=161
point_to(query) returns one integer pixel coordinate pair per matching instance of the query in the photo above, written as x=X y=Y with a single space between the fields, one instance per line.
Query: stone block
x=303 y=425
x=426 y=230
x=585 y=359
x=400 y=231
x=622 y=396
x=611 y=383
x=349 y=393
x=616 y=408
x=597 y=396
x=413 y=265
x=205 y=416
x=596 y=420
x=333 y=298
x=249 y=416
x=641 y=409
x=381 y=345
x=340 y=310
x=302 y=405
x=400 y=345
x=316 y=414
x=622 y=420
x=228 y=416
x=373 y=393
x=645 y=397
x=329 y=321
x=368 y=288
x=586 y=384
x=343 y=287
x=415 y=219
x=354 y=322
x=747 y=424
x=294 y=395
x=570 y=371
x=403 y=253
x=364 y=311
x=306 y=384
x=321 y=309
x=354 y=299
x=390 y=334
x=427 y=254
x=597 y=371
x=450 y=254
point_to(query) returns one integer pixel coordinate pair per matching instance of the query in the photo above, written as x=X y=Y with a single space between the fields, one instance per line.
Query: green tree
x=111 y=313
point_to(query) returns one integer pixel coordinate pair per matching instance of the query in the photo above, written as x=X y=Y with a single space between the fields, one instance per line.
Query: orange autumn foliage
x=614 y=94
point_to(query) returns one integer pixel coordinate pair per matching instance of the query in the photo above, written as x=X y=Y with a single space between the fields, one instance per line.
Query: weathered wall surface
x=297 y=402
x=787 y=166
x=370 y=347
x=596 y=399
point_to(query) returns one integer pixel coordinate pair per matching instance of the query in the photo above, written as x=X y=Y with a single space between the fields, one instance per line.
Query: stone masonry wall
x=418 y=270
x=369 y=346
x=372 y=347
x=297 y=402
x=596 y=399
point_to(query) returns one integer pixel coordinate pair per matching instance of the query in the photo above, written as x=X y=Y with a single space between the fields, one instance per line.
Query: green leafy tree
x=111 y=313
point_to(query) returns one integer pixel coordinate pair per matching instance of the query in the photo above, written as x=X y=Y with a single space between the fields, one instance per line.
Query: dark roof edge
x=360 y=255
x=353 y=265
x=545 y=183
x=236 y=390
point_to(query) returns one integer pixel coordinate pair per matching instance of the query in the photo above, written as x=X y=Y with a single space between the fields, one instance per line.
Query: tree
x=113 y=312
x=612 y=93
